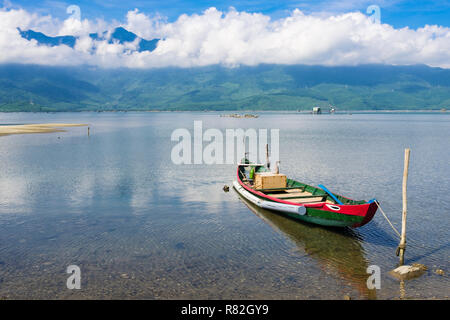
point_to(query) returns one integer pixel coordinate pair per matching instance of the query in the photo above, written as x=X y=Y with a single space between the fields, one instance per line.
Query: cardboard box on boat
x=269 y=180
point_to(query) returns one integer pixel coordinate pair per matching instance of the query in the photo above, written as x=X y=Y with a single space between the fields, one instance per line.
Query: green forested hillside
x=266 y=87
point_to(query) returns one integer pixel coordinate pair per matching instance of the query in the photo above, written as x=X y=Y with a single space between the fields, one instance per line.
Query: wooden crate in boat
x=269 y=180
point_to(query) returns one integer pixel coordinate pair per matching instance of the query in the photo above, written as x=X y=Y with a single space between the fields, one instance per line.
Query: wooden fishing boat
x=300 y=201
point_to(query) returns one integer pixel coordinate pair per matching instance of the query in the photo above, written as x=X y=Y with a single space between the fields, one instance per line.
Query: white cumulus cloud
x=229 y=38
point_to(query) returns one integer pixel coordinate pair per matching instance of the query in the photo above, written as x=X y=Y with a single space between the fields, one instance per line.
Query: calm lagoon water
x=139 y=226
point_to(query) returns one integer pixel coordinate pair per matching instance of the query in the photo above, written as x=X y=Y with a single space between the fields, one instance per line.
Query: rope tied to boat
x=389 y=221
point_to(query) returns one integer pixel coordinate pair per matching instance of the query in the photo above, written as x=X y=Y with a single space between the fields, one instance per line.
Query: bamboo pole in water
x=402 y=245
x=267 y=156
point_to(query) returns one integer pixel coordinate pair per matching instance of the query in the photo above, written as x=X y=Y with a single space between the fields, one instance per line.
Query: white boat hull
x=269 y=205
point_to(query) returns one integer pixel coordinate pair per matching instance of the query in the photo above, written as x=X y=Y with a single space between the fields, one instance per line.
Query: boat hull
x=310 y=215
x=324 y=214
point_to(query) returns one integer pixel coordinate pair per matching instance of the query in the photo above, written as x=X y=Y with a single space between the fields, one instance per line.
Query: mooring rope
x=378 y=204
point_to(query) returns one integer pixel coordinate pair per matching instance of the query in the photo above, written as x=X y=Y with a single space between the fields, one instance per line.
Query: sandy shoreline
x=36 y=128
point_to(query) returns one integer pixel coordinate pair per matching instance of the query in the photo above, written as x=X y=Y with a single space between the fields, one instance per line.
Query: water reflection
x=337 y=251
x=13 y=191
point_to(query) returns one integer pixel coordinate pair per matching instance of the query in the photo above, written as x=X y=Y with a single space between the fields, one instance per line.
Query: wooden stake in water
x=402 y=245
x=267 y=156
x=89 y=131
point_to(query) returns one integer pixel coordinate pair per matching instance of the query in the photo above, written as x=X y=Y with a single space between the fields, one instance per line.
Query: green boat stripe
x=332 y=215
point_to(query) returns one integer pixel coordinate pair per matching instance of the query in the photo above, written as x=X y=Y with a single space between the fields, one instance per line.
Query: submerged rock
x=408 y=272
x=439 y=272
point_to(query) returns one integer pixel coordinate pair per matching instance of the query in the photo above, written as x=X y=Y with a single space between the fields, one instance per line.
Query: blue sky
x=413 y=14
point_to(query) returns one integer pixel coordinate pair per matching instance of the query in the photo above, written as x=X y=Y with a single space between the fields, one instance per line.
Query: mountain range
x=119 y=35
x=263 y=87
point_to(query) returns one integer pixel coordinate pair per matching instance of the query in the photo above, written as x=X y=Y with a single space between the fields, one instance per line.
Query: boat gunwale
x=260 y=194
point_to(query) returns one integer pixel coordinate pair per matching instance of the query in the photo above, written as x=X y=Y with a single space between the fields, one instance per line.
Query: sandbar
x=36 y=128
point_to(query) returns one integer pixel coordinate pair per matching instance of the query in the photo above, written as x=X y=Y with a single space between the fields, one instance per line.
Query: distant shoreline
x=233 y=111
